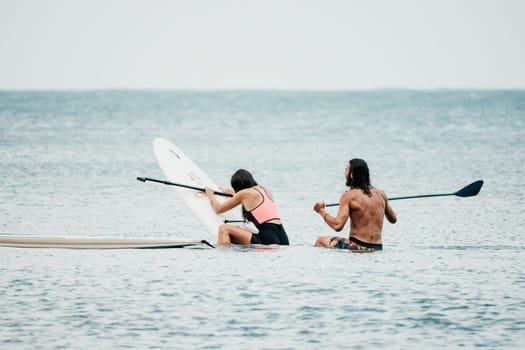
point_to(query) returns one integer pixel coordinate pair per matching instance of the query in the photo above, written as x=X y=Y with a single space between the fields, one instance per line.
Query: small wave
x=475 y=247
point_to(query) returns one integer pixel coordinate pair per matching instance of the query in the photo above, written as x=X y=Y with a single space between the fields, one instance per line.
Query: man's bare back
x=367 y=214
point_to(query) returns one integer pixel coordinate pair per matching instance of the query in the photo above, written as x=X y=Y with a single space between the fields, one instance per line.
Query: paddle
x=467 y=191
x=144 y=179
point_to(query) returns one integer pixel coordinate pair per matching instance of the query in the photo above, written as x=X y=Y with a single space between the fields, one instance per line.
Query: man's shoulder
x=379 y=192
x=352 y=192
x=377 y=189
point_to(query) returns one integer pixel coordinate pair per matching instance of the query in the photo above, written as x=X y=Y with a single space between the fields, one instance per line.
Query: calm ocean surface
x=452 y=274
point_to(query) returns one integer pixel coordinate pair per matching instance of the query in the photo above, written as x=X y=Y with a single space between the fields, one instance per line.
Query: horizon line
x=202 y=89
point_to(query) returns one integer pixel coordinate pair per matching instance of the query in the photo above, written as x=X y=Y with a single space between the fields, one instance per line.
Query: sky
x=267 y=44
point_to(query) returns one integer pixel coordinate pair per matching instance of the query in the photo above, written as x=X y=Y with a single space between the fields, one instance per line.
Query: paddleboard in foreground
x=178 y=167
x=95 y=242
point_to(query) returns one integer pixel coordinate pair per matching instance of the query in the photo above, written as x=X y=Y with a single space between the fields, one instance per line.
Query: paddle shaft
x=467 y=191
x=405 y=197
x=144 y=179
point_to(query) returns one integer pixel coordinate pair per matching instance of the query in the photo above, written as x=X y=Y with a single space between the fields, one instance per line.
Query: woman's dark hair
x=359 y=176
x=242 y=179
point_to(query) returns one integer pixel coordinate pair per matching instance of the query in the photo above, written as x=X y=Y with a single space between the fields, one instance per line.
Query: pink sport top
x=264 y=212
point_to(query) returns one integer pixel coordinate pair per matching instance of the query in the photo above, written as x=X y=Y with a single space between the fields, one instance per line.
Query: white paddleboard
x=93 y=242
x=178 y=167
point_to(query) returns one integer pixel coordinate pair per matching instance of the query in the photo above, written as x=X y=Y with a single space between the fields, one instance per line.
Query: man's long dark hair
x=242 y=179
x=359 y=176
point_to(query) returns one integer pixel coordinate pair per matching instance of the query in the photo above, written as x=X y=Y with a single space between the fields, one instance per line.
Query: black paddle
x=467 y=191
x=144 y=179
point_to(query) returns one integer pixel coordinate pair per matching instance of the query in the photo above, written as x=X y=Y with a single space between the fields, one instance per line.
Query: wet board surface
x=93 y=242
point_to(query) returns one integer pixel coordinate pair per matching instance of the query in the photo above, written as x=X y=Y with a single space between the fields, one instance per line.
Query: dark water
x=451 y=274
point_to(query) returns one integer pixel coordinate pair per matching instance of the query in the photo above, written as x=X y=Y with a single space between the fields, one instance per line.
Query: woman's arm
x=227 y=190
x=223 y=207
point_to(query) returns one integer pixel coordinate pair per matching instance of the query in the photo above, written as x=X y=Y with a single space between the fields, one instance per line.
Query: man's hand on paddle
x=318 y=206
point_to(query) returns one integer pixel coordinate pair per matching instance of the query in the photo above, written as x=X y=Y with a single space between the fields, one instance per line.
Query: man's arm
x=338 y=222
x=389 y=212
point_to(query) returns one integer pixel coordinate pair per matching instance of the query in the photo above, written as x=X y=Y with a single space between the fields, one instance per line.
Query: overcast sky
x=272 y=44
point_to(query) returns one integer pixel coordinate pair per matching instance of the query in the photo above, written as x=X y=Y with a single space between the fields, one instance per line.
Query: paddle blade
x=143 y=179
x=470 y=190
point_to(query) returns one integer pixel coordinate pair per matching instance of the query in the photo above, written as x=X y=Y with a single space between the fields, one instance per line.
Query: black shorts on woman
x=270 y=233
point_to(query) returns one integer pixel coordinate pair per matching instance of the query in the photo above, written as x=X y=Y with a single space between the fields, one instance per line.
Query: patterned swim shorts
x=353 y=244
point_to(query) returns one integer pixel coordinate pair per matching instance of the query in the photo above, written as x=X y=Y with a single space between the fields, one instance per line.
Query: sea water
x=452 y=274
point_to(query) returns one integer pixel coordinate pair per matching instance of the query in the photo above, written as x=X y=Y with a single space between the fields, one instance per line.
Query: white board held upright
x=178 y=167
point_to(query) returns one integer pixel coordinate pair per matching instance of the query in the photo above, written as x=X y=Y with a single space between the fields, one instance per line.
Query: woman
x=257 y=206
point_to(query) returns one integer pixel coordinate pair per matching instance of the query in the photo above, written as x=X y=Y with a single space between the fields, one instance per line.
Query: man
x=365 y=205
